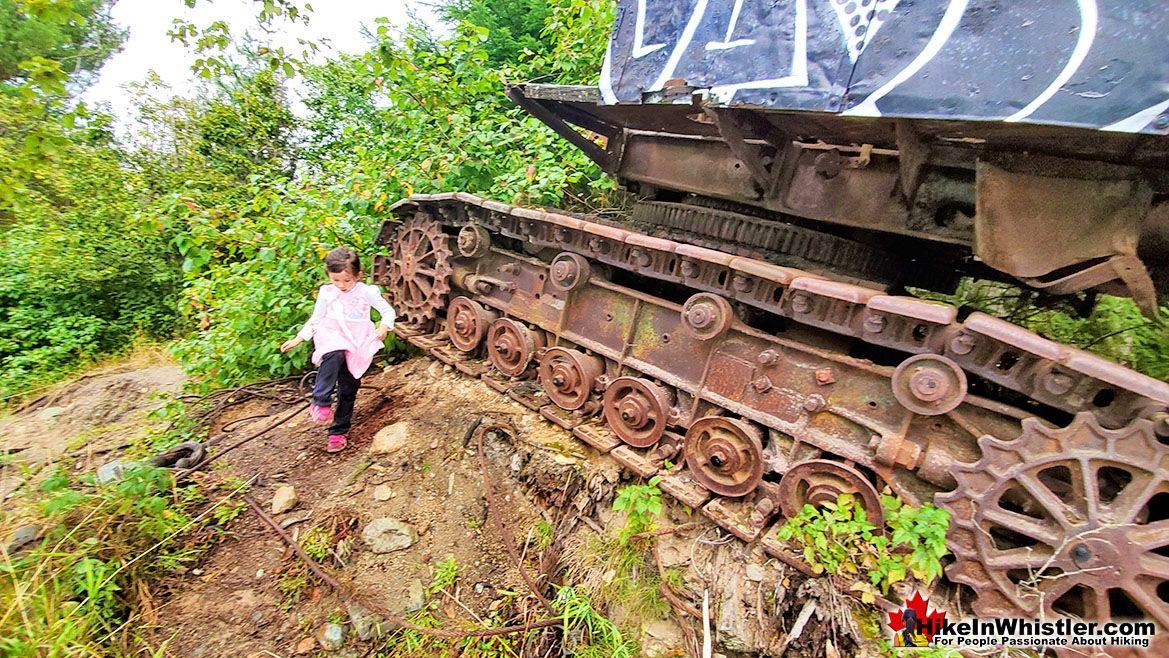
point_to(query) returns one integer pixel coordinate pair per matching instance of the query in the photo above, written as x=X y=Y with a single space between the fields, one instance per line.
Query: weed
x=446 y=574
x=317 y=542
x=839 y=539
x=629 y=586
x=68 y=594
x=293 y=586
x=544 y=532
x=593 y=633
x=641 y=504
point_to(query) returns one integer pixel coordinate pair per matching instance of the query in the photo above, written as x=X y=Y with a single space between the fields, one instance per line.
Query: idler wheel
x=818 y=481
x=637 y=410
x=567 y=376
x=725 y=455
x=568 y=271
x=474 y=241
x=467 y=322
x=929 y=384
x=707 y=315
x=511 y=346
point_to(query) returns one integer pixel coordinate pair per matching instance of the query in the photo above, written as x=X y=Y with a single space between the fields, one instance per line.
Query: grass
x=74 y=592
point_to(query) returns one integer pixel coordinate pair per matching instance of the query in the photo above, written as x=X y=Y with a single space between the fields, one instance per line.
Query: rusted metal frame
x=980 y=369
x=914 y=155
x=563 y=128
x=801 y=431
x=733 y=135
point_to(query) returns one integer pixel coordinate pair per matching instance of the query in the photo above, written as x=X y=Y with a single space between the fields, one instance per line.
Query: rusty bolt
x=801 y=303
x=814 y=403
x=762 y=512
x=928 y=385
x=825 y=376
x=482 y=287
x=742 y=283
x=1057 y=383
x=689 y=269
x=963 y=343
x=700 y=316
x=640 y=258
x=875 y=324
x=767 y=357
x=761 y=385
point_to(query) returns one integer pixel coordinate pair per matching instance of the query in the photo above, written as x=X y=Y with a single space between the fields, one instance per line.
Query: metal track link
x=1052 y=374
x=787 y=241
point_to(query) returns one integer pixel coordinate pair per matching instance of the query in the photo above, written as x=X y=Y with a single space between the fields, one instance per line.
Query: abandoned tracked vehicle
x=800 y=164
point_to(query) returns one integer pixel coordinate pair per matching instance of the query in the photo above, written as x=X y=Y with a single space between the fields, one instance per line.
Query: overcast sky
x=335 y=25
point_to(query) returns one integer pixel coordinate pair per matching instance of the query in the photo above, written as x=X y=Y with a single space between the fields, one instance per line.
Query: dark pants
x=333 y=373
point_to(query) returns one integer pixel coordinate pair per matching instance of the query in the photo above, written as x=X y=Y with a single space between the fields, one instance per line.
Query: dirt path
x=408 y=470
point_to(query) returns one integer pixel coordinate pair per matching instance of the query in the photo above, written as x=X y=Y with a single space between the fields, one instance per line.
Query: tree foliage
x=514 y=27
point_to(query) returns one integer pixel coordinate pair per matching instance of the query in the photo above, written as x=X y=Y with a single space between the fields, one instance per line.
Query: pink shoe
x=320 y=414
x=337 y=443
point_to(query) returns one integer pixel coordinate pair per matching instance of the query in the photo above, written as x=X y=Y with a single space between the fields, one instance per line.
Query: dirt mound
x=95 y=412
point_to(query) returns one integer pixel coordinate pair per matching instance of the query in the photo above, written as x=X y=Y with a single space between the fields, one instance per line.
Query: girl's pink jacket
x=341 y=321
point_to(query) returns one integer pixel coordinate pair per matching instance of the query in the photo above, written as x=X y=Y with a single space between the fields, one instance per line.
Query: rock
x=305 y=646
x=386 y=535
x=755 y=572
x=390 y=439
x=383 y=492
x=435 y=370
x=284 y=499
x=660 y=639
x=415 y=596
x=22 y=536
x=293 y=520
x=114 y=470
x=49 y=413
x=365 y=623
x=331 y=636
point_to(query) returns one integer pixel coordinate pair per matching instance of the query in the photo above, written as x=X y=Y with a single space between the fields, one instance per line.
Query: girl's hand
x=382 y=332
x=291 y=343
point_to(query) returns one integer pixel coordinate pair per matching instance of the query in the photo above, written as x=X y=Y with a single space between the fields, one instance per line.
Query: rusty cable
x=505 y=534
x=346 y=593
x=182 y=475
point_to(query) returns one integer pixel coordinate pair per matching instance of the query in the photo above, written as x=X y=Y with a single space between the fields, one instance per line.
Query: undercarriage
x=755 y=387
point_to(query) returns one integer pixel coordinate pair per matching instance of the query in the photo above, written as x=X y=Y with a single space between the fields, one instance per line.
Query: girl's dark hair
x=343 y=259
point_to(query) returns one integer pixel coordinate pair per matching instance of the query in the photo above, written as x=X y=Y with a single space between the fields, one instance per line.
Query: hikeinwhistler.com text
x=1013 y=632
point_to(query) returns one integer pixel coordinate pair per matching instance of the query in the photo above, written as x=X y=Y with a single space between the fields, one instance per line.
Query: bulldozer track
x=721 y=372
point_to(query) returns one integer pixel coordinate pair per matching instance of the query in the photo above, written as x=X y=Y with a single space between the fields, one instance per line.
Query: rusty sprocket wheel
x=1071 y=521
x=420 y=271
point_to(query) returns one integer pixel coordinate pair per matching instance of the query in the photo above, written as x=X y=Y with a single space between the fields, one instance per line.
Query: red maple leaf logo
x=925 y=623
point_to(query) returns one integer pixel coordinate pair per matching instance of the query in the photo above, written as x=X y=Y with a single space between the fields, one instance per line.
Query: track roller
x=725 y=455
x=637 y=410
x=568 y=375
x=511 y=346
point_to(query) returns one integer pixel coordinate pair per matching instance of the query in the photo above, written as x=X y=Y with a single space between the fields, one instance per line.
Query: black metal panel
x=1087 y=63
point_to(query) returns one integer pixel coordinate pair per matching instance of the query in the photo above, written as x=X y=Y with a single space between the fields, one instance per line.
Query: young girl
x=344 y=340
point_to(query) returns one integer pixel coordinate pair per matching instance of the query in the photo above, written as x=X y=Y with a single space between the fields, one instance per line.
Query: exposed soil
x=96 y=412
x=243 y=599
